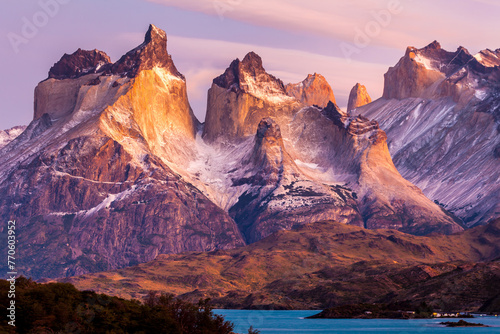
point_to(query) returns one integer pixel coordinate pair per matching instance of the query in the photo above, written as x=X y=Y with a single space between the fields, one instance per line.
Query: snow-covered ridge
x=488 y=58
x=214 y=168
x=6 y=136
x=428 y=64
x=106 y=203
x=264 y=90
x=166 y=77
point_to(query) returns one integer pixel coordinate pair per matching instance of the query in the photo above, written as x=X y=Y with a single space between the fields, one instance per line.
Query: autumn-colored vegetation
x=61 y=308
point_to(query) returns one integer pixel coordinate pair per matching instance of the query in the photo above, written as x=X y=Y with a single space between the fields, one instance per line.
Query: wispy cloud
x=334 y=19
x=287 y=64
x=489 y=2
x=414 y=23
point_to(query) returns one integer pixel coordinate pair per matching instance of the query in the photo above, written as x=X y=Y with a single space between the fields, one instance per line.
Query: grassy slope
x=316 y=266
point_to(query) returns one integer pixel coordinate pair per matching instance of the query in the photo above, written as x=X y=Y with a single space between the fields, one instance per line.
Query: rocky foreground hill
x=323 y=265
x=115 y=169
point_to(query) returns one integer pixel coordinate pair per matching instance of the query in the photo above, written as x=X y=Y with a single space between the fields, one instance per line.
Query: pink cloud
x=201 y=60
x=410 y=22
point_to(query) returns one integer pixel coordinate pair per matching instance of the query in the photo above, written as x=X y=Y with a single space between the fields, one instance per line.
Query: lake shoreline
x=279 y=321
x=387 y=311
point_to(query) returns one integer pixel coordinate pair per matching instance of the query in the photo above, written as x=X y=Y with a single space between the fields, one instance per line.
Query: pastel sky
x=346 y=41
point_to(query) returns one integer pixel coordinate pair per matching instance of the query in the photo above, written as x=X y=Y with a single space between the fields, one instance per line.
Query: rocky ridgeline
x=115 y=169
x=358 y=97
x=441 y=113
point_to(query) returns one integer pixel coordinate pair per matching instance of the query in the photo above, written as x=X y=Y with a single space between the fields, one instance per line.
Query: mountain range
x=441 y=113
x=115 y=169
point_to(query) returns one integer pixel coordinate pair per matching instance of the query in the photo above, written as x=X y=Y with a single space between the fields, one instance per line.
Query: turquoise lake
x=274 y=322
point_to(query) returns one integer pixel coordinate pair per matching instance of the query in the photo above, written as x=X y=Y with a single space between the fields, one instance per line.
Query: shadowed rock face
x=358 y=97
x=112 y=171
x=267 y=138
x=280 y=197
x=79 y=63
x=355 y=149
x=325 y=164
x=240 y=97
x=151 y=53
x=6 y=136
x=441 y=113
x=97 y=210
x=88 y=180
x=314 y=90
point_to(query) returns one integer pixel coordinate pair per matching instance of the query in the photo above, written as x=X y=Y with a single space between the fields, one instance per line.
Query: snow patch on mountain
x=215 y=167
x=106 y=203
x=446 y=151
x=426 y=62
x=308 y=165
x=63 y=174
x=267 y=91
x=481 y=94
x=488 y=58
x=6 y=136
x=166 y=77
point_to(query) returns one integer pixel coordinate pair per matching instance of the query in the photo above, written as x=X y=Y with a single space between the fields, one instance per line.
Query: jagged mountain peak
x=434 y=57
x=151 y=53
x=268 y=128
x=252 y=61
x=246 y=80
x=488 y=58
x=435 y=52
x=433 y=72
x=358 y=97
x=250 y=77
x=79 y=63
x=312 y=76
x=313 y=90
x=100 y=147
x=234 y=74
x=450 y=102
x=335 y=114
x=435 y=45
x=125 y=138
x=155 y=35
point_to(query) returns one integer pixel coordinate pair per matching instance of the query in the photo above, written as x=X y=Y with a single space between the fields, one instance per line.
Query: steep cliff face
x=325 y=164
x=88 y=181
x=144 y=85
x=80 y=63
x=115 y=169
x=424 y=72
x=441 y=113
x=353 y=151
x=241 y=97
x=279 y=195
x=358 y=97
x=488 y=58
x=147 y=56
x=6 y=136
x=314 y=90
